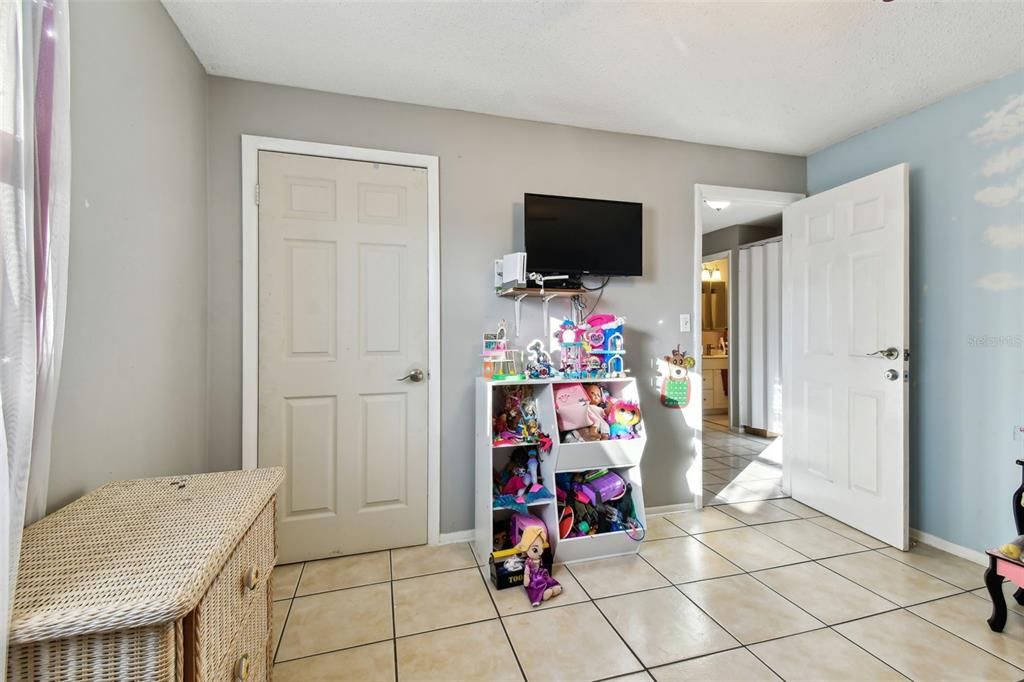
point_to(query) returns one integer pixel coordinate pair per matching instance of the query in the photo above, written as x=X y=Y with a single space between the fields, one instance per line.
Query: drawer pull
x=252 y=578
x=242 y=668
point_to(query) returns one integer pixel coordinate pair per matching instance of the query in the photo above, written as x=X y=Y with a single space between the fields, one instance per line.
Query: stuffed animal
x=623 y=416
x=1014 y=549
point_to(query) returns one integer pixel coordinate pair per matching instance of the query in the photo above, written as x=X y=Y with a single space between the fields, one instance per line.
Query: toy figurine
x=539 y=584
x=539 y=364
x=623 y=416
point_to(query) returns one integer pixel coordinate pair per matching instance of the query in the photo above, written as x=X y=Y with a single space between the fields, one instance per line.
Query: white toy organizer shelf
x=623 y=456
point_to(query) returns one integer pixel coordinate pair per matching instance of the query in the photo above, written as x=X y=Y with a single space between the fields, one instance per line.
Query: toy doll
x=623 y=416
x=539 y=584
x=598 y=429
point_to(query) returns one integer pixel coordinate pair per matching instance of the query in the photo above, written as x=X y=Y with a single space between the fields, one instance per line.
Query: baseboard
x=457 y=536
x=946 y=546
x=669 y=508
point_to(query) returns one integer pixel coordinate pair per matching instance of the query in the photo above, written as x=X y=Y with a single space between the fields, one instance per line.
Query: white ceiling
x=788 y=77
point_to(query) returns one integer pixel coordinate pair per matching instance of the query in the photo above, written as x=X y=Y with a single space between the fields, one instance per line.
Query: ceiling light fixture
x=717 y=205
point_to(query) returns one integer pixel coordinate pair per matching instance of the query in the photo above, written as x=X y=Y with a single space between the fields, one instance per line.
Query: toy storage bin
x=606 y=453
x=610 y=544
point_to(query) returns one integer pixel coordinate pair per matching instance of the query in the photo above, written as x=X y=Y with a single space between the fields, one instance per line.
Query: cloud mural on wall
x=1002 y=124
x=1003 y=162
x=1005 y=236
x=999 y=128
x=999 y=195
x=1000 y=281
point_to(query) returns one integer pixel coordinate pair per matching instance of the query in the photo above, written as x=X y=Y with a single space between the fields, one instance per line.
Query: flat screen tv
x=574 y=236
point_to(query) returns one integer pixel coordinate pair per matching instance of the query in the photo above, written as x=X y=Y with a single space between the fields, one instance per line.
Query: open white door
x=845 y=340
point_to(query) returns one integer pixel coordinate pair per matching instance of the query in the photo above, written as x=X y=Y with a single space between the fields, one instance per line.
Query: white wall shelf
x=622 y=455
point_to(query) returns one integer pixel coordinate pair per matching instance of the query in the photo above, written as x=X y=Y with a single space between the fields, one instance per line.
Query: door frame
x=727 y=257
x=252 y=145
x=745 y=195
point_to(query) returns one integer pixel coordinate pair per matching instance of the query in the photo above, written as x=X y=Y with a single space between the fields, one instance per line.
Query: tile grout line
x=501 y=621
x=963 y=639
x=291 y=602
x=394 y=617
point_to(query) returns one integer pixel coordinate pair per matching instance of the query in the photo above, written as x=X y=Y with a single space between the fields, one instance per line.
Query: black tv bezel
x=577 y=272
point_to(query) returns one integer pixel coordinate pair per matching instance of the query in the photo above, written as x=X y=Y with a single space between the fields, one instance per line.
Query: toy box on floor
x=522 y=556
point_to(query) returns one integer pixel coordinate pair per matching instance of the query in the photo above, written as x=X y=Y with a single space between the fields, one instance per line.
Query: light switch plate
x=684 y=322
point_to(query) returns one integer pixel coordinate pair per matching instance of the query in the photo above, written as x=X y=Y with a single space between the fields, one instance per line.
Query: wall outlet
x=684 y=322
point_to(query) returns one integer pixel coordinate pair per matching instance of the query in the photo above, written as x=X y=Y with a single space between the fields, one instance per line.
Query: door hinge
x=257 y=194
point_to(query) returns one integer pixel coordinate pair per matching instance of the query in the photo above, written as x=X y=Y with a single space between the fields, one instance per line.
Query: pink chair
x=1000 y=567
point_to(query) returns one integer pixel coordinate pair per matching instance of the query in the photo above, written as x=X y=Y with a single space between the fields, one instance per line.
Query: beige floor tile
x=440 y=600
x=964 y=574
x=923 y=651
x=757 y=512
x=370 y=663
x=732 y=461
x=794 y=507
x=633 y=677
x=593 y=651
x=337 y=620
x=514 y=600
x=808 y=538
x=618 y=575
x=748 y=610
x=662 y=626
x=847 y=532
x=757 y=471
x=737 y=449
x=714 y=465
x=703 y=521
x=284 y=579
x=278 y=617
x=731 y=495
x=827 y=596
x=966 y=615
x=412 y=561
x=660 y=528
x=750 y=549
x=889 y=578
x=469 y=652
x=684 y=560
x=1008 y=590
x=343 y=572
x=713 y=477
x=728 y=666
x=822 y=655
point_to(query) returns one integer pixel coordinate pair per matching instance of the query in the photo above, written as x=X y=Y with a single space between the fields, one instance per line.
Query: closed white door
x=845 y=295
x=342 y=318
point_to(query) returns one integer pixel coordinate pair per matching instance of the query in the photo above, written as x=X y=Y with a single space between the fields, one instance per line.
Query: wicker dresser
x=154 y=579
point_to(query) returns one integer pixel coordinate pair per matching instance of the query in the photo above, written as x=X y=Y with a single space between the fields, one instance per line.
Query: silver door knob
x=414 y=376
x=889 y=353
x=892 y=374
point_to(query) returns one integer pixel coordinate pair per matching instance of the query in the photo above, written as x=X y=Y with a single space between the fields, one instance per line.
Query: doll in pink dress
x=539 y=584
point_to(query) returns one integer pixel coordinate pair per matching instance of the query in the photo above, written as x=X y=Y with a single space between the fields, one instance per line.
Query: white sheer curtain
x=758 y=353
x=35 y=161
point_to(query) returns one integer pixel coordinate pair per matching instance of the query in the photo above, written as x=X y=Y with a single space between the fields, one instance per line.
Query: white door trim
x=758 y=197
x=251 y=146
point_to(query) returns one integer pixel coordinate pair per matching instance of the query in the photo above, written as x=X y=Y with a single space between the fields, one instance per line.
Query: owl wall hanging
x=675 y=378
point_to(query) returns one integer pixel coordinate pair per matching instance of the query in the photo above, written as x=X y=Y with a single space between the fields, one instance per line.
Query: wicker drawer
x=249 y=657
x=238 y=592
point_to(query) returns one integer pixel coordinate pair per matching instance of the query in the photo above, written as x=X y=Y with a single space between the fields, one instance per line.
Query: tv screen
x=569 y=235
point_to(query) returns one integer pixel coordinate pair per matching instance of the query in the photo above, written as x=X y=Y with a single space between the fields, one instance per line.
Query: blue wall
x=966 y=156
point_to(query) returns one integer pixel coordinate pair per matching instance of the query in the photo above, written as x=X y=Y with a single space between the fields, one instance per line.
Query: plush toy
x=1014 y=549
x=623 y=416
x=675 y=382
x=539 y=584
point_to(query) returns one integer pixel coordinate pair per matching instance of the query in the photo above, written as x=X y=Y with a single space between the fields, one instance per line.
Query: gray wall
x=132 y=399
x=487 y=163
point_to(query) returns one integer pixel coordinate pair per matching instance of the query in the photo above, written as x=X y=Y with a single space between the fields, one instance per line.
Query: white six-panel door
x=845 y=290
x=342 y=316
